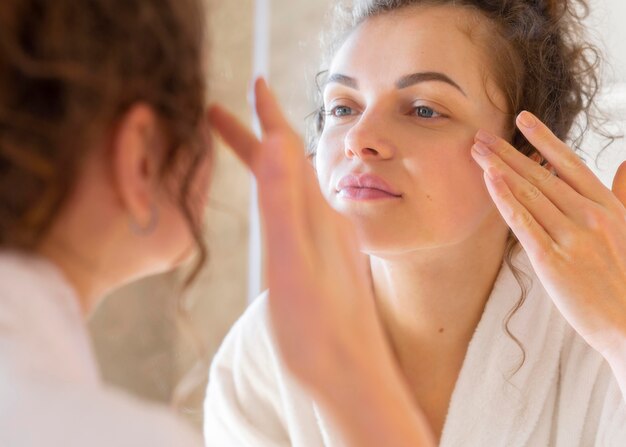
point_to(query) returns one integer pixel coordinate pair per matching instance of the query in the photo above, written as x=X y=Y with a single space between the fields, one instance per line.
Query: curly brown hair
x=539 y=57
x=69 y=70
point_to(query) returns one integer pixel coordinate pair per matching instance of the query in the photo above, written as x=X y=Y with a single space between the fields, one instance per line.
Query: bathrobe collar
x=41 y=326
x=498 y=400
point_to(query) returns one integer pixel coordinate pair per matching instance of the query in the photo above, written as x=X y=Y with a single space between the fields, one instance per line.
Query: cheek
x=456 y=193
x=328 y=156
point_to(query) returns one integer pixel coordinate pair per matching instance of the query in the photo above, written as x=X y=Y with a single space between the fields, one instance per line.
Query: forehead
x=415 y=39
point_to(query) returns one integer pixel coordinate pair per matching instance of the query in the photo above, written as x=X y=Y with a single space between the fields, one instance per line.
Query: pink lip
x=365 y=187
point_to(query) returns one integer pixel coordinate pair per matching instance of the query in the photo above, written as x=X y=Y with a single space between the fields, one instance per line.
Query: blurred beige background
x=138 y=344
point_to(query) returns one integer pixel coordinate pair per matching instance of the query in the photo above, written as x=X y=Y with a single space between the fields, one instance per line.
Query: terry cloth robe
x=564 y=394
x=51 y=394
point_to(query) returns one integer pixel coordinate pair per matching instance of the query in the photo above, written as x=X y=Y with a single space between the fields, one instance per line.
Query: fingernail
x=481 y=148
x=485 y=137
x=526 y=119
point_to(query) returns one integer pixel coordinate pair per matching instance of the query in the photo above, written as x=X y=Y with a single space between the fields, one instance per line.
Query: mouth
x=364 y=187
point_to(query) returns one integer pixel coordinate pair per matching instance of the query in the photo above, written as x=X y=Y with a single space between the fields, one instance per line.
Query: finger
x=524 y=194
x=530 y=234
x=237 y=136
x=564 y=160
x=268 y=109
x=563 y=196
x=619 y=183
x=303 y=184
x=281 y=193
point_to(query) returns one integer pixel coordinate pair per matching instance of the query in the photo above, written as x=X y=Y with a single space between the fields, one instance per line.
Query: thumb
x=619 y=183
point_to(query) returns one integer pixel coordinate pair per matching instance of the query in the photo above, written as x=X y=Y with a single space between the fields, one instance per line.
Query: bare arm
x=321 y=303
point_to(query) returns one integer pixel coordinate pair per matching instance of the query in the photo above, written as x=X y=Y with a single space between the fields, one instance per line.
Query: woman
x=104 y=168
x=498 y=344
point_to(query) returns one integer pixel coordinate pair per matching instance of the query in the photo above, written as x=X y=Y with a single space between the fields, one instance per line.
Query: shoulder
x=250 y=337
x=244 y=403
x=248 y=356
x=41 y=411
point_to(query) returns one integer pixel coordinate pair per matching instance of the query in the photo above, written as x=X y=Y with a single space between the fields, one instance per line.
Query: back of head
x=68 y=70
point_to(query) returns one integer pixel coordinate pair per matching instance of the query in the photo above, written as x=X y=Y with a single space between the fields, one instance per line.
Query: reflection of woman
x=103 y=178
x=498 y=345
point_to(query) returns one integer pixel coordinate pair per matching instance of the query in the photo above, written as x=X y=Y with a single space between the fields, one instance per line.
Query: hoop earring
x=150 y=226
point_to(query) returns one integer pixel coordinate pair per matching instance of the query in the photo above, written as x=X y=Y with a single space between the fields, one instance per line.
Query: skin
x=92 y=241
x=429 y=294
x=94 y=244
x=568 y=226
x=323 y=312
x=119 y=187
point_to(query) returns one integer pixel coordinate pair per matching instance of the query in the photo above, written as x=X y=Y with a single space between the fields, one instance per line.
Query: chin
x=390 y=239
x=391 y=243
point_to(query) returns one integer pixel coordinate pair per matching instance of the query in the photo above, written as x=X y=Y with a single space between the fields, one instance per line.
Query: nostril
x=370 y=151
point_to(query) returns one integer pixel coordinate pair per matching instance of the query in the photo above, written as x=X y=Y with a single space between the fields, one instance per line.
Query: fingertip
x=484 y=137
x=526 y=120
x=217 y=115
x=260 y=87
x=260 y=83
x=214 y=111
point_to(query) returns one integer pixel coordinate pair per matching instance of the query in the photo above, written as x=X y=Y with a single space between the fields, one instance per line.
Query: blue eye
x=425 y=112
x=340 y=111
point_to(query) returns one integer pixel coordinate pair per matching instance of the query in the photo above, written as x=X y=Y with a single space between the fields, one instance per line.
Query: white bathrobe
x=564 y=395
x=51 y=394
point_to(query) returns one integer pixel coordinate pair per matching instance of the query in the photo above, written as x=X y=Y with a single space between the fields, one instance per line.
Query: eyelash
x=332 y=111
x=434 y=113
x=414 y=111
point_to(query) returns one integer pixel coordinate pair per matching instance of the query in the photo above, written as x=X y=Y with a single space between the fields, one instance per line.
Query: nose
x=367 y=140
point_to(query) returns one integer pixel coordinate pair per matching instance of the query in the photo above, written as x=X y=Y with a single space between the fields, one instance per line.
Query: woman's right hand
x=321 y=303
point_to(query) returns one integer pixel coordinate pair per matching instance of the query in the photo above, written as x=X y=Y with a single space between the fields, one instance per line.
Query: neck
x=79 y=270
x=431 y=301
x=83 y=247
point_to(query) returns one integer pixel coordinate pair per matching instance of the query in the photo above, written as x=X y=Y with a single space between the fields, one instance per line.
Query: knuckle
x=575 y=247
x=521 y=219
x=541 y=176
x=530 y=194
x=549 y=254
x=597 y=218
x=503 y=150
x=573 y=162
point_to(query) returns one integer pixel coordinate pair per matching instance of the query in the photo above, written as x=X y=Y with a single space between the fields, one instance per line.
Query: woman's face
x=407 y=92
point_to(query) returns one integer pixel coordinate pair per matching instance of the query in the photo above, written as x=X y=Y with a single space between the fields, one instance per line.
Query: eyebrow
x=343 y=80
x=403 y=82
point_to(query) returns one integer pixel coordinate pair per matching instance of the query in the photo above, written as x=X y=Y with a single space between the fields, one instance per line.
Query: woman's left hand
x=572 y=227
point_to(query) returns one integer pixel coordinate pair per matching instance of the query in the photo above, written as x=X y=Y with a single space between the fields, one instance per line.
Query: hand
x=321 y=303
x=572 y=227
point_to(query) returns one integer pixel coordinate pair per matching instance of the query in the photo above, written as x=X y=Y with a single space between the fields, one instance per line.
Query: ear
x=619 y=183
x=135 y=154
